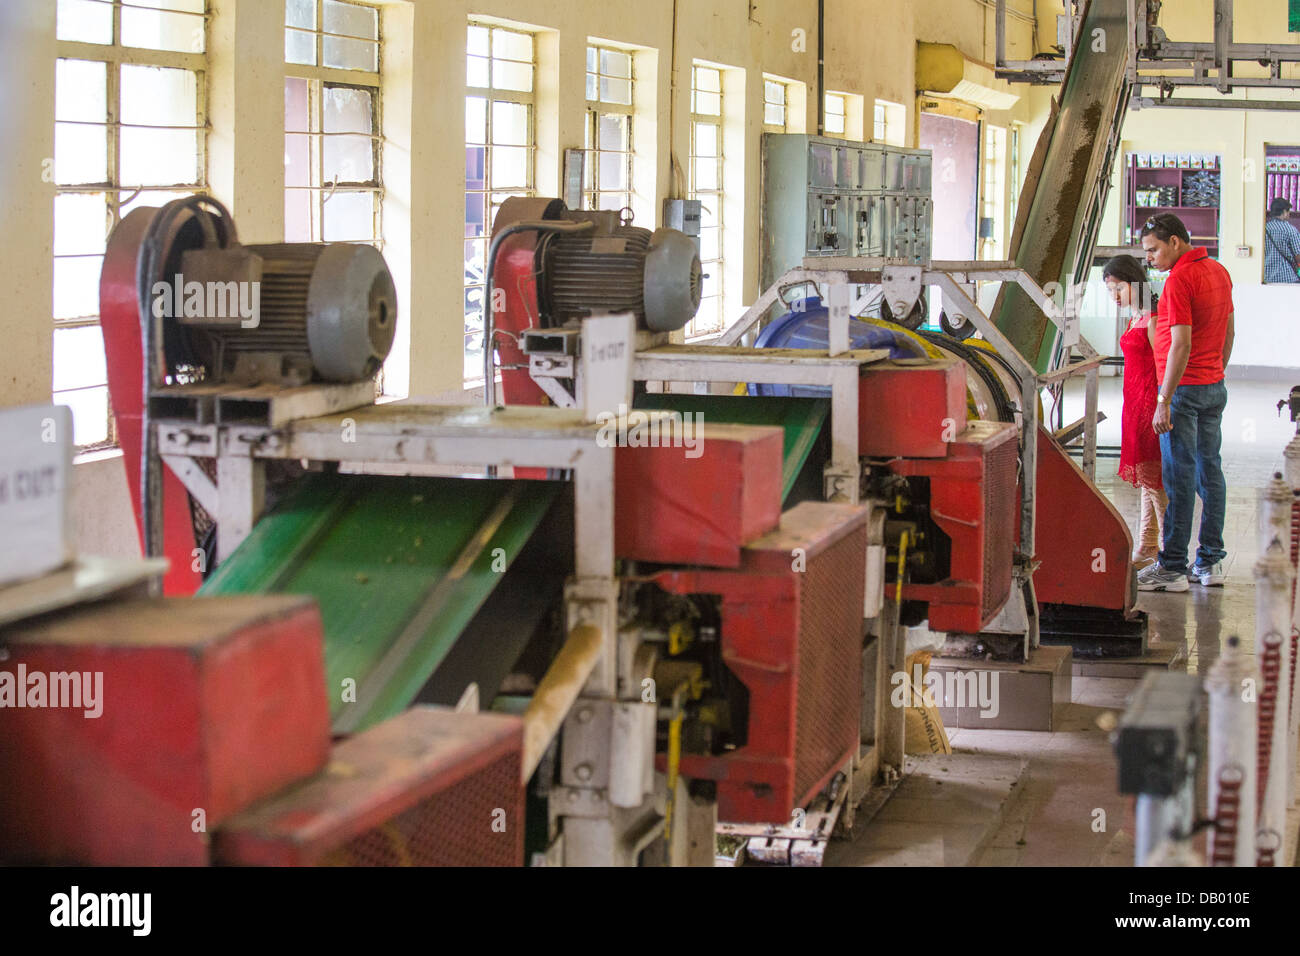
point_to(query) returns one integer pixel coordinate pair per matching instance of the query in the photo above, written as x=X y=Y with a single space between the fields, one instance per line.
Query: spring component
x=1271 y=669
x=1267 y=843
x=1227 y=816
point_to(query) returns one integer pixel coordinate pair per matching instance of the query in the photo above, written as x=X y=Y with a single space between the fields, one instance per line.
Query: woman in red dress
x=1139 y=451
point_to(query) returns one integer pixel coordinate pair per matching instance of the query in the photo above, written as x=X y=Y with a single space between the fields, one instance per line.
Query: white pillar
x=1232 y=684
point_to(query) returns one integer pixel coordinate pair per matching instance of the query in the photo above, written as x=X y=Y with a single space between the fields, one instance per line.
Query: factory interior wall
x=1267 y=317
x=869 y=53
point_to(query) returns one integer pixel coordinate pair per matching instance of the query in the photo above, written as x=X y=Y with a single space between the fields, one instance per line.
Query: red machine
x=428 y=788
x=791 y=632
x=188 y=712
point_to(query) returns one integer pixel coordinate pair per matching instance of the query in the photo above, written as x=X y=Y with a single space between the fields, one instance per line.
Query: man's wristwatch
x=1161 y=400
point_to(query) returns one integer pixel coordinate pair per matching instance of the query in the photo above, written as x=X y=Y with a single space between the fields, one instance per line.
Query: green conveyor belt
x=802 y=419
x=399 y=567
x=1058 y=224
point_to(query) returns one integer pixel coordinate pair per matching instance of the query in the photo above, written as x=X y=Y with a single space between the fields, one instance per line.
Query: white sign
x=607 y=345
x=35 y=468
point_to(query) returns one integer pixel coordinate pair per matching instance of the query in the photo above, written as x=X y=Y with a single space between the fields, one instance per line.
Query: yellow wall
x=870 y=53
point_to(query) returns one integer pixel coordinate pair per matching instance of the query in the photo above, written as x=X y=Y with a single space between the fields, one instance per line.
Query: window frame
x=320 y=78
x=843 y=131
x=693 y=331
x=115 y=56
x=784 y=104
x=595 y=109
x=491 y=94
x=319 y=33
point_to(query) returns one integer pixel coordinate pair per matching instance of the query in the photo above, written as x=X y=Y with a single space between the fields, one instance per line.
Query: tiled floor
x=1069 y=811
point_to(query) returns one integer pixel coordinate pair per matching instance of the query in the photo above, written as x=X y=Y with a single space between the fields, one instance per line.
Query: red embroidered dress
x=1139 y=448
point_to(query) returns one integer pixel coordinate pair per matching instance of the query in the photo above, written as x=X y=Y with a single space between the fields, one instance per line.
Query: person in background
x=1193 y=342
x=1281 y=243
x=1139 y=450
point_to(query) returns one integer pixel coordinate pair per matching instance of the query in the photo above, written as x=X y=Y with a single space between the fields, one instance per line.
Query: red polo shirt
x=1198 y=293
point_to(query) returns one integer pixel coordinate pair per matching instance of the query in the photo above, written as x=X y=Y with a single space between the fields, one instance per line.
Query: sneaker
x=1155 y=578
x=1211 y=577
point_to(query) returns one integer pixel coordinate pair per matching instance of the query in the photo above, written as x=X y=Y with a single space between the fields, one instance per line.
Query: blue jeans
x=1191 y=465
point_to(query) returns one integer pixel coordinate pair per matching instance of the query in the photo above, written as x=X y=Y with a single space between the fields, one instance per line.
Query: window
x=332 y=138
x=775 y=106
x=500 y=144
x=129 y=131
x=331 y=33
x=888 y=121
x=609 y=129
x=993 y=192
x=836 y=114
x=706 y=185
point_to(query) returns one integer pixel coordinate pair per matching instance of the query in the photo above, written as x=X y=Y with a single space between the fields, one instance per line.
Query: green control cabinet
x=833 y=197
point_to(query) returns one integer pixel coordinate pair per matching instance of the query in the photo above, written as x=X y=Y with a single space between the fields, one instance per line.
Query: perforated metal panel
x=830 y=661
x=451 y=828
x=1000 y=505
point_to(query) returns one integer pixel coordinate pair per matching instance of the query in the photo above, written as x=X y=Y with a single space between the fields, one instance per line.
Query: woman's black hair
x=1130 y=270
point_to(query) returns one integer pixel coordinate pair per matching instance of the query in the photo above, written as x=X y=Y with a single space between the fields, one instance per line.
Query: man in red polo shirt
x=1193 y=342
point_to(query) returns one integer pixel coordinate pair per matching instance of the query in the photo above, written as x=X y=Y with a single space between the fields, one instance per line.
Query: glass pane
x=706 y=104
x=773 y=92
x=85 y=21
x=591 y=59
x=706 y=139
x=80 y=154
x=76 y=287
x=297 y=214
x=476 y=72
x=477 y=41
x=475 y=215
x=475 y=119
x=510 y=167
x=512 y=76
x=157 y=30
x=344 y=54
x=834 y=124
x=475 y=167
x=592 y=88
x=347 y=109
x=300 y=13
x=351 y=20
x=297 y=105
x=614 y=131
x=156 y=198
x=616 y=91
x=80 y=224
x=349 y=159
x=159 y=157
x=299 y=47
x=80 y=90
x=512 y=46
x=614 y=201
x=157 y=96
x=710 y=287
x=89 y=414
x=774 y=115
x=708 y=80
x=709 y=248
x=708 y=213
x=509 y=123
x=79 y=358
x=613 y=171
x=350 y=217
x=616 y=63
x=706 y=174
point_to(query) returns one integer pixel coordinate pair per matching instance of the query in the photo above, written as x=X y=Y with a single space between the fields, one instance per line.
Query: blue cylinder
x=807 y=326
